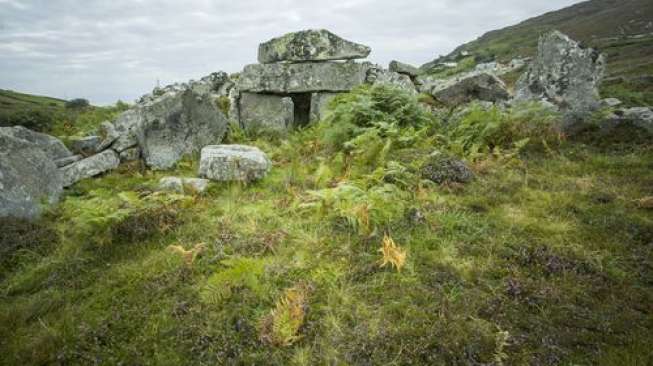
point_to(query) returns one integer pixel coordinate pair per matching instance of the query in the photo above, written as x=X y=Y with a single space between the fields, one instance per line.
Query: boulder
x=266 y=110
x=233 y=163
x=67 y=161
x=131 y=154
x=28 y=177
x=442 y=168
x=564 y=74
x=183 y=185
x=319 y=104
x=176 y=124
x=310 y=45
x=402 y=68
x=303 y=78
x=610 y=102
x=89 y=167
x=470 y=87
x=51 y=146
x=127 y=125
x=638 y=118
x=87 y=145
x=108 y=134
x=377 y=75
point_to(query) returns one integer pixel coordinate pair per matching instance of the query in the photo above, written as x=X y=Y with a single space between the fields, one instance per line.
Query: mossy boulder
x=443 y=168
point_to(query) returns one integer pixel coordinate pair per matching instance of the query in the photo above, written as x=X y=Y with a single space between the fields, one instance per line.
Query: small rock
x=233 y=163
x=310 y=45
x=183 y=185
x=442 y=168
x=402 y=68
x=89 y=167
x=67 y=161
x=610 y=102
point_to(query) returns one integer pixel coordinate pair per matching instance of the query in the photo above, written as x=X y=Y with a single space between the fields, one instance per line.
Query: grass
x=544 y=258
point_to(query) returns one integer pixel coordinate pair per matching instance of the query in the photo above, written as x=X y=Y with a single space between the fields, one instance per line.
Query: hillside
x=622 y=29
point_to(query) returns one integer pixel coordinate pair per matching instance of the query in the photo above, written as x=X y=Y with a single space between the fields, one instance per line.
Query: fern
x=241 y=272
x=281 y=327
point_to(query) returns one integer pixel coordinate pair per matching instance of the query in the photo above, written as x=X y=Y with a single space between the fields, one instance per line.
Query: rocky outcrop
x=302 y=78
x=266 y=111
x=89 y=167
x=564 y=74
x=86 y=145
x=233 y=163
x=378 y=75
x=469 y=87
x=29 y=177
x=402 y=68
x=51 y=146
x=183 y=185
x=310 y=45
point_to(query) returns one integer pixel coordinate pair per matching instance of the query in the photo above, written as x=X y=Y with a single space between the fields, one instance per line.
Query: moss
x=224 y=104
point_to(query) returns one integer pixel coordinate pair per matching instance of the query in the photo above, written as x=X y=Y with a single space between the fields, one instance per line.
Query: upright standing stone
x=266 y=110
x=319 y=104
x=564 y=74
x=310 y=45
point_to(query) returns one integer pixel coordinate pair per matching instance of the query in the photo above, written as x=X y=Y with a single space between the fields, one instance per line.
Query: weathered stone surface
x=610 y=102
x=108 y=134
x=177 y=124
x=51 y=146
x=442 y=168
x=310 y=45
x=377 y=75
x=87 y=145
x=233 y=163
x=130 y=154
x=319 y=104
x=402 y=68
x=469 y=87
x=89 y=167
x=266 y=111
x=28 y=177
x=303 y=78
x=127 y=125
x=183 y=185
x=640 y=118
x=67 y=161
x=565 y=74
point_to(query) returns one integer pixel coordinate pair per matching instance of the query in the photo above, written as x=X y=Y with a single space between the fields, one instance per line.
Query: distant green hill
x=621 y=29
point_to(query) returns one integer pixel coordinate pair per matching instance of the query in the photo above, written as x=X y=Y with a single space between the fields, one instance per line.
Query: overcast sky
x=106 y=50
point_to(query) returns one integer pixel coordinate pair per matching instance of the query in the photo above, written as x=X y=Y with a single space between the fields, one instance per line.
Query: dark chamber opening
x=302 y=102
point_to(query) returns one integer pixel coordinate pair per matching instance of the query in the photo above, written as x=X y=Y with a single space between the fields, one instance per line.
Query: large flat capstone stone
x=29 y=177
x=233 y=163
x=90 y=167
x=303 y=78
x=266 y=111
x=310 y=45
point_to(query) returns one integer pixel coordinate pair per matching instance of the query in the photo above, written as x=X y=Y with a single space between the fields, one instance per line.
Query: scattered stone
x=28 y=177
x=402 y=68
x=89 y=167
x=183 y=185
x=441 y=168
x=51 y=146
x=233 y=163
x=87 y=145
x=67 y=161
x=303 y=78
x=610 y=102
x=639 y=118
x=564 y=74
x=108 y=134
x=319 y=104
x=177 y=124
x=266 y=110
x=377 y=75
x=482 y=86
x=130 y=154
x=310 y=45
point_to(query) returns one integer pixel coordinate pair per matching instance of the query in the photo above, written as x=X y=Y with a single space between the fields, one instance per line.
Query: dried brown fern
x=392 y=253
x=281 y=326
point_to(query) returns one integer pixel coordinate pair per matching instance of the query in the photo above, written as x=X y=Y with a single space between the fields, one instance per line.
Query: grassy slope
x=543 y=259
x=603 y=24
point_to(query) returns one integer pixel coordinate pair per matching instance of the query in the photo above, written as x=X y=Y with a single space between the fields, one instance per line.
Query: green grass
x=544 y=258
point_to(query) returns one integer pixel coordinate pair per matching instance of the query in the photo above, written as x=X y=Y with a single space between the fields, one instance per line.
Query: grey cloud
x=109 y=50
